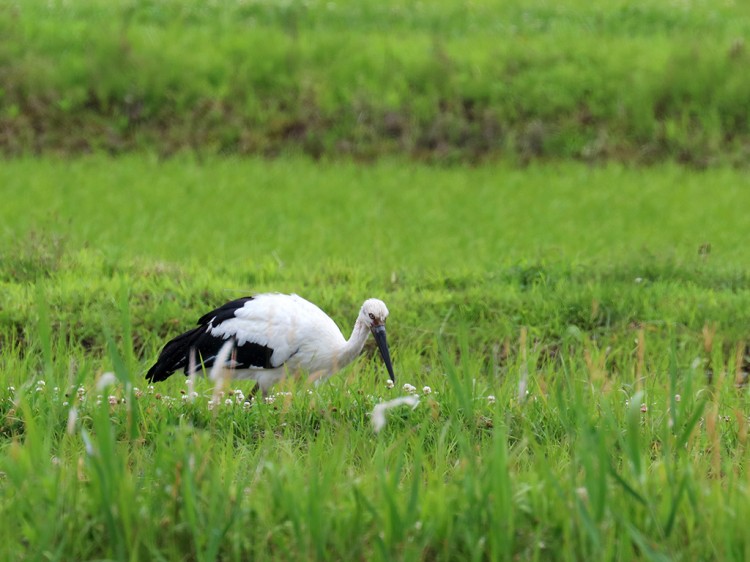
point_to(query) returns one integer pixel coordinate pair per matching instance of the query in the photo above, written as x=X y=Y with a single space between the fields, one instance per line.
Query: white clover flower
x=56 y=389
x=270 y=399
x=644 y=408
x=228 y=402
x=246 y=405
x=151 y=389
x=426 y=390
x=491 y=399
x=389 y=383
x=112 y=400
x=676 y=397
x=11 y=389
x=185 y=397
x=409 y=388
x=41 y=383
x=211 y=404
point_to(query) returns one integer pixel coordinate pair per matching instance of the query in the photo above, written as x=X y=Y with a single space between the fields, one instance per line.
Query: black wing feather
x=176 y=353
x=224 y=312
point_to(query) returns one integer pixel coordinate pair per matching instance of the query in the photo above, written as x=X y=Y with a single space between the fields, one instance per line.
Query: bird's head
x=373 y=314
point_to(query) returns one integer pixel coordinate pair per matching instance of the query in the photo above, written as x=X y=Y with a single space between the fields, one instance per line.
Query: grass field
x=581 y=330
x=551 y=197
x=637 y=80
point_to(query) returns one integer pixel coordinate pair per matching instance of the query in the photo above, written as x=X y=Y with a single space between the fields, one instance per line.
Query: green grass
x=577 y=334
x=640 y=81
x=594 y=289
x=257 y=213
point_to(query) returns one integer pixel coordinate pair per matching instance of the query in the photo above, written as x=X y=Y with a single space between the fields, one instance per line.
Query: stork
x=272 y=335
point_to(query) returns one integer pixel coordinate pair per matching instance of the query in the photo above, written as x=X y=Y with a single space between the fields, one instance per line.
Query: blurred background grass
x=562 y=249
x=452 y=81
x=229 y=211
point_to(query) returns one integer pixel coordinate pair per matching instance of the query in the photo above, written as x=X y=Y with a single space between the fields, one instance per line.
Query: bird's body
x=273 y=335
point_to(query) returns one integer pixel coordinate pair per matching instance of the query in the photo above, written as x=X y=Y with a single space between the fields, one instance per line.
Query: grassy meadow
x=551 y=198
x=630 y=80
x=581 y=330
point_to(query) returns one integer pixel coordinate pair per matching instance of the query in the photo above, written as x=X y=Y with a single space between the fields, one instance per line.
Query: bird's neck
x=354 y=344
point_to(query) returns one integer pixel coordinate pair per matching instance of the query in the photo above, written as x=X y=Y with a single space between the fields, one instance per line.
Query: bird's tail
x=174 y=356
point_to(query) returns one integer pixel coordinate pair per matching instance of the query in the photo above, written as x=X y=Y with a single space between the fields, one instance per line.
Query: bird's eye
x=372 y=316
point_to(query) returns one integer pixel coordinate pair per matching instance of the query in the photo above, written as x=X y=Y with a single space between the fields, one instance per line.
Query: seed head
x=378 y=412
x=107 y=379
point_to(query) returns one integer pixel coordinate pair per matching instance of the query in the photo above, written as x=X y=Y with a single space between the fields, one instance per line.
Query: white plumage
x=274 y=335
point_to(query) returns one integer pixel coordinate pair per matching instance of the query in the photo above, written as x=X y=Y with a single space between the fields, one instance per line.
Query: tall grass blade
x=684 y=436
x=44 y=329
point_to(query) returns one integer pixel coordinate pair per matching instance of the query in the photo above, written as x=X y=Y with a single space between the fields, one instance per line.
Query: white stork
x=272 y=335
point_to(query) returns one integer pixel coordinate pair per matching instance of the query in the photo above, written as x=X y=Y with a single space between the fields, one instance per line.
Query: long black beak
x=379 y=333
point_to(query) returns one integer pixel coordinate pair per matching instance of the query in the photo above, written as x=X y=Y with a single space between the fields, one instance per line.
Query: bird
x=272 y=335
